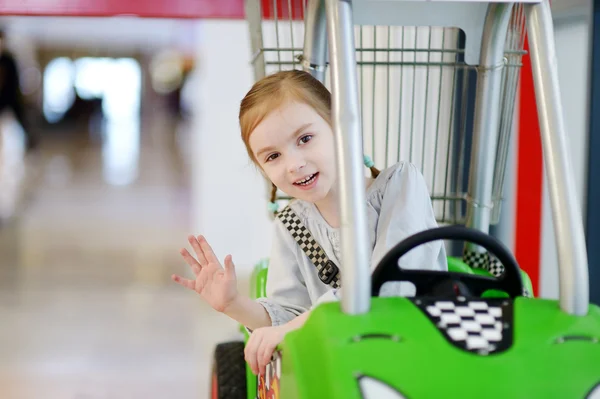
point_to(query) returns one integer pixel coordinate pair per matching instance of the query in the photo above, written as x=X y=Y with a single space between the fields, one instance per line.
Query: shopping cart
x=434 y=83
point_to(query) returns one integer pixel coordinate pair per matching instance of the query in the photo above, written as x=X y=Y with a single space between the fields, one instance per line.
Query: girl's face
x=295 y=148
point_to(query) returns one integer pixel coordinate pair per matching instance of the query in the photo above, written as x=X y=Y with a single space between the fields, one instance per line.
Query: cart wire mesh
x=417 y=95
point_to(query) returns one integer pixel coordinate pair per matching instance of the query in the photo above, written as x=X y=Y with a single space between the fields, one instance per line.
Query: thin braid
x=374 y=172
x=273 y=195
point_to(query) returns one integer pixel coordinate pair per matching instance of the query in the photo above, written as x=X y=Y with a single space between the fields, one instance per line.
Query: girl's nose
x=296 y=164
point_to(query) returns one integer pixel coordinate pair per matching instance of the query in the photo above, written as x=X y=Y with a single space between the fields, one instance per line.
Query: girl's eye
x=306 y=139
x=272 y=157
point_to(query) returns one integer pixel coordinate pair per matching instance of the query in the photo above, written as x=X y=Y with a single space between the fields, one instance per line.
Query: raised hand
x=215 y=284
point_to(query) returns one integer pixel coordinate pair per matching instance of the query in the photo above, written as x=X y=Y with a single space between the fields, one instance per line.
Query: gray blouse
x=398 y=205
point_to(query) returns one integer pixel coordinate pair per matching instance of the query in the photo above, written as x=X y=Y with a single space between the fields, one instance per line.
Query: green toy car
x=463 y=335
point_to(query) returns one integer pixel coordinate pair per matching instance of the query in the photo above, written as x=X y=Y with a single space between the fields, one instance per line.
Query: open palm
x=216 y=284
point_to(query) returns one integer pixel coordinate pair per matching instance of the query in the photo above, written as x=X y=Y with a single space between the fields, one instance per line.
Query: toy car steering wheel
x=389 y=270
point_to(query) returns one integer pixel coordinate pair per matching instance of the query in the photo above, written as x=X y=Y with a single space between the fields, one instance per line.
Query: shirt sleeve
x=406 y=209
x=287 y=295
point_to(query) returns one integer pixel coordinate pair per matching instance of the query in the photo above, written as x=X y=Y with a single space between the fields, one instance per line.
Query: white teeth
x=304 y=182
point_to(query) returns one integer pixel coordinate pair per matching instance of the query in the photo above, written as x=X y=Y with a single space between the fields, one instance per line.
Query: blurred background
x=122 y=140
x=96 y=199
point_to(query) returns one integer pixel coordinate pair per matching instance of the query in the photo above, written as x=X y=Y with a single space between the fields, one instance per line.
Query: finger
x=229 y=266
x=198 y=250
x=265 y=358
x=191 y=261
x=250 y=352
x=248 y=348
x=207 y=250
x=250 y=356
x=191 y=284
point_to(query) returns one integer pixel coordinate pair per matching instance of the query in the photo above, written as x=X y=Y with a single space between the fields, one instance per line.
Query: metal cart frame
x=329 y=39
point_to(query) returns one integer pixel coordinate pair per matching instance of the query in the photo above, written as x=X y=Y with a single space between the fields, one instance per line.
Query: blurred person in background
x=10 y=92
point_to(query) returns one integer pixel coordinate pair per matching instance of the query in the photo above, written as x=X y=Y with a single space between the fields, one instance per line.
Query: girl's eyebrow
x=296 y=132
x=301 y=128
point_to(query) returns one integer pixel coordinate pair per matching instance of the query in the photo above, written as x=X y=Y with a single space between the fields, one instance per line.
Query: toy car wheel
x=229 y=372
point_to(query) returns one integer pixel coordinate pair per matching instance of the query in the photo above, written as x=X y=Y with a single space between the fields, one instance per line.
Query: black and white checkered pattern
x=483 y=260
x=495 y=267
x=327 y=270
x=486 y=261
x=479 y=326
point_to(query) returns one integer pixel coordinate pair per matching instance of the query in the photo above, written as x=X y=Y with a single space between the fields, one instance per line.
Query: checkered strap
x=481 y=260
x=328 y=272
x=486 y=261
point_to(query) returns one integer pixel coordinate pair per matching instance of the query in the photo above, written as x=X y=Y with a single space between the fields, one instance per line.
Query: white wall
x=125 y=33
x=229 y=203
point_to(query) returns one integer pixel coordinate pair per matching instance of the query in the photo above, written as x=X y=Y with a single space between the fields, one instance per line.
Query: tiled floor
x=87 y=308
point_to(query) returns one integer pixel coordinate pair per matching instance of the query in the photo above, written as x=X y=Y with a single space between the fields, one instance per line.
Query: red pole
x=528 y=224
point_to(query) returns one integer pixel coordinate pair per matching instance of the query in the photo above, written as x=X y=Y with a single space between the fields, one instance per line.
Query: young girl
x=285 y=121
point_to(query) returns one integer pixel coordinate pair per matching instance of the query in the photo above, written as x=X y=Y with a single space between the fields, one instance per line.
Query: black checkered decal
x=478 y=326
x=327 y=270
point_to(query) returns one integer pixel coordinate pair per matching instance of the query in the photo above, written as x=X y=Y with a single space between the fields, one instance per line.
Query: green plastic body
x=322 y=359
x=258 y=284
